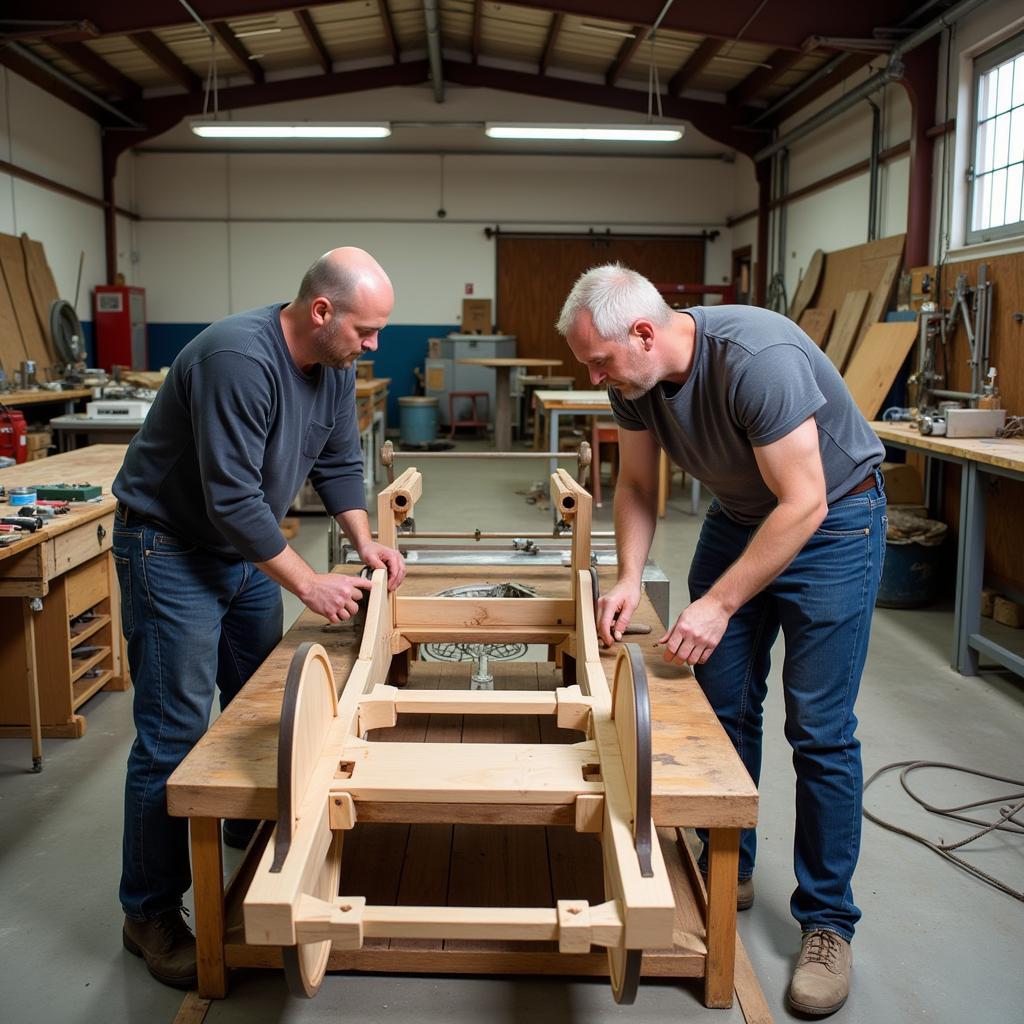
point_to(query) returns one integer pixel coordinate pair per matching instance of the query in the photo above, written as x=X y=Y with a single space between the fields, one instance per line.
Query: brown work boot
x=821 y=979
x=744 y=892
x=167 y=945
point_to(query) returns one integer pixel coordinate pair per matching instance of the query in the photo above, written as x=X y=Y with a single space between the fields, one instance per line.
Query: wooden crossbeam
x=237 y=49
x=761 y=78
x=389 y=30
x=167 y=60
x=549 y=44
x=314 y=39
x=122 y=87
x=627 y=51
x=694 y=65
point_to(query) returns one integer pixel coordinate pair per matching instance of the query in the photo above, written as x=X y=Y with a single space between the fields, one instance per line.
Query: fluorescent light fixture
x=587 y=132
x=285 y=130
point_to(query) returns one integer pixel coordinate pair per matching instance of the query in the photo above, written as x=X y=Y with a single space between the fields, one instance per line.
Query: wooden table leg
x=664 y=481
x=723 y=865
x=208 y=890
x=503 y=408
x=30 y=607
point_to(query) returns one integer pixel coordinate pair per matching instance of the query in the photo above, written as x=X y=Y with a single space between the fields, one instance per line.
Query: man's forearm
x=356 y=525
x=776 y=543
x=290 y=570
x=635 y=521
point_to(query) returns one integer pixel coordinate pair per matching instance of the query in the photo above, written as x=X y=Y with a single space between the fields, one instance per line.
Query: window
x=997 y=173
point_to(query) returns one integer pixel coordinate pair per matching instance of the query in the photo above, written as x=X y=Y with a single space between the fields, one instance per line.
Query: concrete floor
x=934 y=945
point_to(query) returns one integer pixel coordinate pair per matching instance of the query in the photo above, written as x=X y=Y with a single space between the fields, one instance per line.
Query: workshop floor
x=935 y=944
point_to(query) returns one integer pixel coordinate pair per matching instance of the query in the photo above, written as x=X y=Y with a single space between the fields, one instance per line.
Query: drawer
x=87 y=585
x=79 y=545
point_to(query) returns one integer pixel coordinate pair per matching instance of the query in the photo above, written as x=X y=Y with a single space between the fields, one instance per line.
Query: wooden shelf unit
x=65 y=682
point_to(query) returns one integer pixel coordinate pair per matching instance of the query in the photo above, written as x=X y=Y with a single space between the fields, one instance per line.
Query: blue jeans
x=193 y=621
x=822 y=601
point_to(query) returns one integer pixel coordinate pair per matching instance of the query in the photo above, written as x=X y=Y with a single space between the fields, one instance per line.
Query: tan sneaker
x=821 y=979
x=167 y=945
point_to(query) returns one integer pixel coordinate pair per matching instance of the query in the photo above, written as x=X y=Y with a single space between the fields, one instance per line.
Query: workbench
x=19 y=399
x=979 y=458
x=698 y=781
x=48 y=579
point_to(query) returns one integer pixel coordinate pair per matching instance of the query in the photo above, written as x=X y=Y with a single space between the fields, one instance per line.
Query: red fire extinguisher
x=13 y=434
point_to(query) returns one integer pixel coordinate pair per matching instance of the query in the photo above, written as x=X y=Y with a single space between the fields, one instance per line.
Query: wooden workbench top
x=698 y=777
x=97 y=464
x=20 y=398
x=1005 y=452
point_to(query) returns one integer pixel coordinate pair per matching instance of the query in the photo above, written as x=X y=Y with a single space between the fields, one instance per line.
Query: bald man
x=254 y=405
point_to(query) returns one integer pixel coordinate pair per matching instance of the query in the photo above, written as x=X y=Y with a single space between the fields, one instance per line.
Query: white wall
x=41 y=134
x=222 y=231
x=837 y=217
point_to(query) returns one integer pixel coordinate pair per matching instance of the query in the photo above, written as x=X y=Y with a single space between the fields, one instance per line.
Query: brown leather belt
x=864 y=485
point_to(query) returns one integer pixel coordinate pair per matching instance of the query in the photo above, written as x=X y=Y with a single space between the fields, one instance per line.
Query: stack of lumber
x=840 y=303
x=27 y=290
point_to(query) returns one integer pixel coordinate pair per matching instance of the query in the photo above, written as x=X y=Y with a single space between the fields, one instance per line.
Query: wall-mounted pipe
x=892 y=72
x=433 y=23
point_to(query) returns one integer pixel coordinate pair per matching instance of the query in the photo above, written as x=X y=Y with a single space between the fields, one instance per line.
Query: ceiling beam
x=854 y=62
x=161 y=113
x=786 y=25
x=718 y=121
x=389 y=30
x=237 y=49
x=314 y=39
x=122 y=87
x=38 y=77
x=549 y=44
x=627 y=51
x=478 y=17
x=167 y=60
x=695 y=64
x=761 y=78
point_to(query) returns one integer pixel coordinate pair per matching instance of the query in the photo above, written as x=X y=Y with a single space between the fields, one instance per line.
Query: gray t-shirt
x=756 y=377
x=235 y=430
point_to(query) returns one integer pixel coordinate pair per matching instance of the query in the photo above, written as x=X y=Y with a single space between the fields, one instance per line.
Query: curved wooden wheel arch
x=308 y=708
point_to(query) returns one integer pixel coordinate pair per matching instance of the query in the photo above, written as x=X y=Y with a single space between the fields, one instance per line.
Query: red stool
x=474 y=420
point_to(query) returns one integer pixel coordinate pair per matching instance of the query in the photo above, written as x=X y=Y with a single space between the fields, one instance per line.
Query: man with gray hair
x=743 y=400
x=251 y=407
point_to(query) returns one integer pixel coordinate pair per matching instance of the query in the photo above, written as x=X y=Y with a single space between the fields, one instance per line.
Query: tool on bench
x=69 y=492
x=23 y=523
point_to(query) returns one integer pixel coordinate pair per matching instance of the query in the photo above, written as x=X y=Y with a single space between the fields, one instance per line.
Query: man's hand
x=615 y=609
x=333 y=595
x=379 y=556
x=696 y=634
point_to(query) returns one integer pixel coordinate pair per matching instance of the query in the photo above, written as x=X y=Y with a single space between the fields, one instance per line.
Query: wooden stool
x=474 y=419
x=604 y=432
x=665 y=486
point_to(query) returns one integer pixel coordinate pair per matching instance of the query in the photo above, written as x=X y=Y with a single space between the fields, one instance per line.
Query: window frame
x=1008 y=49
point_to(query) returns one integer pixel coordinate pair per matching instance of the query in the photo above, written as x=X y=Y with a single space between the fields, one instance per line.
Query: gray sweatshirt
x=235 y=430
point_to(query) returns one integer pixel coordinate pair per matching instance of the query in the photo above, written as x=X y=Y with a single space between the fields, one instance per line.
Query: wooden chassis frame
x=329 y=771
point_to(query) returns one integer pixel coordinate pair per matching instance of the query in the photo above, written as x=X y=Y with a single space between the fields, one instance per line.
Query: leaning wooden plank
x=815 y=323
x=42 y=287
x=12 y=261
x=847 y=327
x=12 y=349
x=876 y=362
x=805 y=290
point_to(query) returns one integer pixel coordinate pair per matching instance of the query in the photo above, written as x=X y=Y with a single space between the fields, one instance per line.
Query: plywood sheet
x=12 y=351
x=815 y=323
x=876 y=362
x=808 y=285
x=42 y=288
x=847 y=327
x=12 y=261
x=874 y=266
